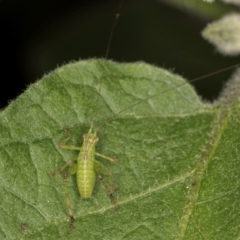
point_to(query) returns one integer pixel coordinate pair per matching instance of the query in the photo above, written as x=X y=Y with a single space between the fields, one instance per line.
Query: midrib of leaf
x=222 y=118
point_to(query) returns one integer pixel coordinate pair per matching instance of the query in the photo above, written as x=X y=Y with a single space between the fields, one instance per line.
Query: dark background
x=38 y=36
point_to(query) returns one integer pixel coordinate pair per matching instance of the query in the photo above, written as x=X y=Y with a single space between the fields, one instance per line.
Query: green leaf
x=177 y=173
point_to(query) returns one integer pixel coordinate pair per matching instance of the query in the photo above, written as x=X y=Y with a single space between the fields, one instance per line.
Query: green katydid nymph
x=87 y=168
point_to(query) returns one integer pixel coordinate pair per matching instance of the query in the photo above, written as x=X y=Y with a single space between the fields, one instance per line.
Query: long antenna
x=167 y=90
x=117 y=15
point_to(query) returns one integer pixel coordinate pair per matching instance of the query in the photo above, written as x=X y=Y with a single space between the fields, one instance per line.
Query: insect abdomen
x=86 y=178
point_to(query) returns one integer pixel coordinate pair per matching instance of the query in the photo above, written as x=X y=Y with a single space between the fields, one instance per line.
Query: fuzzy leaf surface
x=178 y=164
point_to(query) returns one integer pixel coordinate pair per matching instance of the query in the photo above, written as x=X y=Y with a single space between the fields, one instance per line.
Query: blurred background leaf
x=39 y=36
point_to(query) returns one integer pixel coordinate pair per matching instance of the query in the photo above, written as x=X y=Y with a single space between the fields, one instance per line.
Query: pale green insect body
x=87 y=167
x=86 y=175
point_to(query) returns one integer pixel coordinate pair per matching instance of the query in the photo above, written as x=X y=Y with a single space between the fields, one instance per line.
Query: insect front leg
x=63 y=143
x=106 y=179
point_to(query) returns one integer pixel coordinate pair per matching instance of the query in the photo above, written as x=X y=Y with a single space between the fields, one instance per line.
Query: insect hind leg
x=72 y=170
x=106 y=179
x=70 y=212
